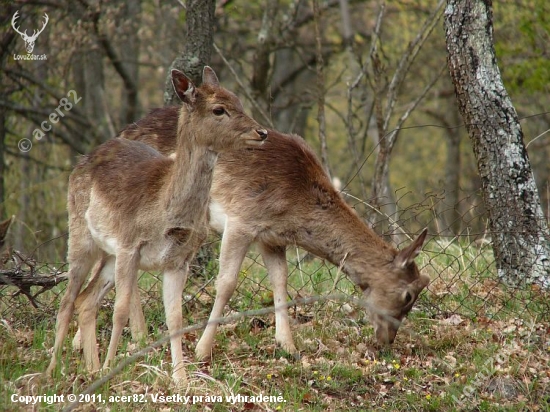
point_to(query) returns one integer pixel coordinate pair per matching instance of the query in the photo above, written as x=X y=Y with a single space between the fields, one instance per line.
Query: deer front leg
x=126 y=268
x=233 y=250
x=275 y=262
x=138 y=328
x=173 y=285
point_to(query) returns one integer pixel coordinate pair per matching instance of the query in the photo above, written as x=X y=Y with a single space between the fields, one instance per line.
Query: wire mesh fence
x=457 y=257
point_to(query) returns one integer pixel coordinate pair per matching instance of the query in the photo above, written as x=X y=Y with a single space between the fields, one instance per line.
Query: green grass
x=468 y=339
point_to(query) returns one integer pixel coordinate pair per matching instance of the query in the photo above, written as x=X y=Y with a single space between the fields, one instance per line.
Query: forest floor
x=493 y=361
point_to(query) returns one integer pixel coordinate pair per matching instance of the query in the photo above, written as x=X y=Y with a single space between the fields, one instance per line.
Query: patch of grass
x=469 y=344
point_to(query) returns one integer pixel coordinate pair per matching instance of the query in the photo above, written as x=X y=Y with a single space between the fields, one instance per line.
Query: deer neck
x=340 y=236
x=188 y=191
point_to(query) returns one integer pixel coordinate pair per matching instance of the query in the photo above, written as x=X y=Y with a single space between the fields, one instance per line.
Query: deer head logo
x=29 y=40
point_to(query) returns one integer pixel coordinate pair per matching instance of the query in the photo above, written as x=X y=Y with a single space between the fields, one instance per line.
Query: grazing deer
x=134 y=208
x=278 y=195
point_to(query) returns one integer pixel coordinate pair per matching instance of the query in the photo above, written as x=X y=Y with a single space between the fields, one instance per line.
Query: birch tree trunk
x=519 y=231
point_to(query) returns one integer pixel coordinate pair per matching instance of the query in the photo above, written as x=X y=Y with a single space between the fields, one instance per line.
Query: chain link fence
x=461 y=267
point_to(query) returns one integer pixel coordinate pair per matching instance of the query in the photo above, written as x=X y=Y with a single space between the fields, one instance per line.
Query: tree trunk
x=448 y=215
x=451 y=217
x=3 y=135
x=128 y=65
x=5 y=42
x=520 y=235
x=200 y=21
x=290 y=109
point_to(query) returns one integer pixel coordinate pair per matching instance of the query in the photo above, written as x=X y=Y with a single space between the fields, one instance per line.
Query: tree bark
x=3 y=139
x=125 y=60
x=520 y=235
x=5 y=42
x=448 y=209
x=198 y=49
x=321 y=119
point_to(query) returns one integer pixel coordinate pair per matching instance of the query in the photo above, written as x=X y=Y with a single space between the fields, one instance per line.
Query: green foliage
x=522 y=35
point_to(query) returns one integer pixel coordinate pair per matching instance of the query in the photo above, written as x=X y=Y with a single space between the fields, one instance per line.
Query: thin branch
x=320 y=88
x=129 y=83
x=27 y=156
x=16 y=74
x=32 y=115
x=261 y=64
x=244 y=88
x=391 y=137
x=540 y=135
x=408 y=58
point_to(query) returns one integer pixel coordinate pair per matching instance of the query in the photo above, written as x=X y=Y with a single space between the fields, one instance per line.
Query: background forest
x=384 y=67
x=367 y=84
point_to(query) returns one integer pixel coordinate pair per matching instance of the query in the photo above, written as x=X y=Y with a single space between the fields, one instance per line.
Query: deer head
x=214 y=115
x=29 y=40
x=392 y=296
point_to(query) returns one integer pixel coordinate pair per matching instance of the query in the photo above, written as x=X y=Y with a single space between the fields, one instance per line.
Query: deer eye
x=218 y=111
x=407 y=298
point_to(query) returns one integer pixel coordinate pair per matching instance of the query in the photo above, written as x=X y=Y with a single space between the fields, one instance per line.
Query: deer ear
x=209 y=77
x=407 y=255
x=419 y=284
x=184 y=88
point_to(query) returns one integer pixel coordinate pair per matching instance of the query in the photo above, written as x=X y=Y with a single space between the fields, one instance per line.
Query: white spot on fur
x=218 y=217
x=108 y=244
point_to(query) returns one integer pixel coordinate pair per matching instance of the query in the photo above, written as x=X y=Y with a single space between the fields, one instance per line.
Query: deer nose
x=262 y=133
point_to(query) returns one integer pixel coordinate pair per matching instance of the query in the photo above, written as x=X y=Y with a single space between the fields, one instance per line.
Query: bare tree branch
x=320 y=88
x=407 y=59
x=129 y=84
x=244 y=88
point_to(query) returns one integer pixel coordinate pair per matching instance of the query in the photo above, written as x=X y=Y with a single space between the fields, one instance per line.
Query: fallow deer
x=134 y=208
x=278 y=195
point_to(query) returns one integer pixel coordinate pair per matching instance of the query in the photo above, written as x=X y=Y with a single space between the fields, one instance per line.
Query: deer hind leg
x=275 y=262
x=87 y=305
x=173 y=284
x=103 y=280
x=81 y=258
x=126 y=268
x=233 y=250
x=91 y=290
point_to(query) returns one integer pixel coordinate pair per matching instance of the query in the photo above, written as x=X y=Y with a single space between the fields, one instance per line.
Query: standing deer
x=134 y=208
x=29 y=40
x=278 y=195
